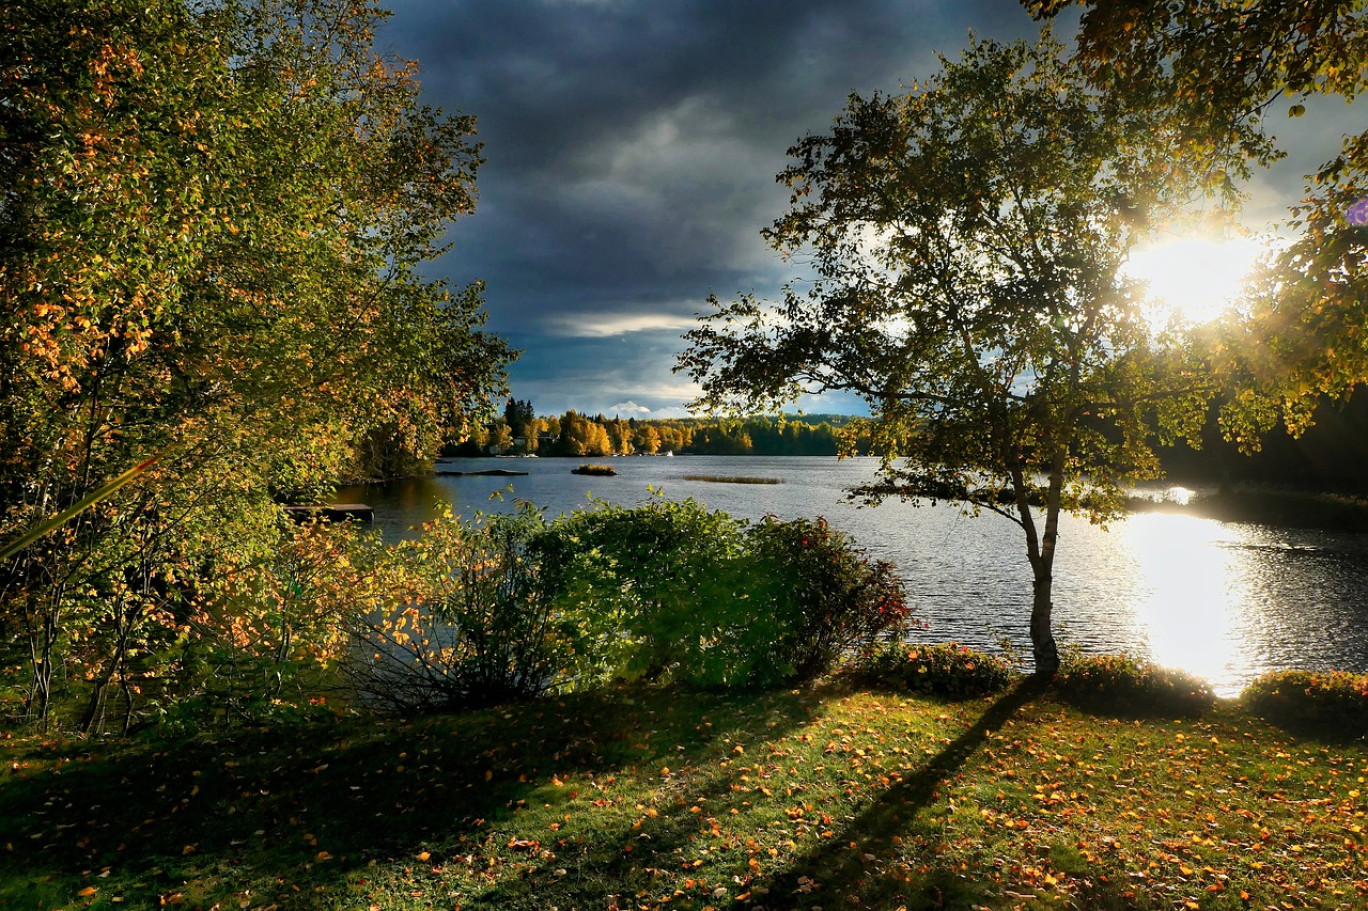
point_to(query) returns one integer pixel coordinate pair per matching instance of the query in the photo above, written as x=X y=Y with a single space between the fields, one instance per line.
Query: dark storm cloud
x=632 y=148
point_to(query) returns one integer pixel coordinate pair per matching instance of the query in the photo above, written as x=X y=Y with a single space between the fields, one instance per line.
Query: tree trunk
x=92 y=720
x=128 y=704
x=43 y=632
x=1043 y=648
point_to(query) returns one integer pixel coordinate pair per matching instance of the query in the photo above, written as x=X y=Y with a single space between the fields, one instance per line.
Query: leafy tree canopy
x=965 y=245
x=211 y=219
x=1219 y=66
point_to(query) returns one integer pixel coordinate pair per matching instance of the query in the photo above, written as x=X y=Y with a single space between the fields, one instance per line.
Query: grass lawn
x=829 y=796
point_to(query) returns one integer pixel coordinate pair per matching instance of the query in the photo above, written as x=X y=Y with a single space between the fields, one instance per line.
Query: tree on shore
x=211 y=221
x=964 y=247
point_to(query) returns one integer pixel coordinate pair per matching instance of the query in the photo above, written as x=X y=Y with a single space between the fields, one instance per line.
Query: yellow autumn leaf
x=424 y=856
x=87 y=892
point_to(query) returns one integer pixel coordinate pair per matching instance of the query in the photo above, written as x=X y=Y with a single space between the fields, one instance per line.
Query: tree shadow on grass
x=627 y=863
x=843 y=866
x=285 y=811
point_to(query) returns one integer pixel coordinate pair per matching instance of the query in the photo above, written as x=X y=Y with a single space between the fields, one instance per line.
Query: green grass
x=731 y=479
x=825 y=796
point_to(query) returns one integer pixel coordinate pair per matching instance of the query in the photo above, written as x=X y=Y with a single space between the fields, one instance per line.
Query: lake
x=1226 y=601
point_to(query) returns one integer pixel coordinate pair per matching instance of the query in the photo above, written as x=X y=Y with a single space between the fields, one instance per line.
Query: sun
x=1192 y=278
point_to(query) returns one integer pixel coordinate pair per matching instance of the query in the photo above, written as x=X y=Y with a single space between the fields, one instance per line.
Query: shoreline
x=1275 y=506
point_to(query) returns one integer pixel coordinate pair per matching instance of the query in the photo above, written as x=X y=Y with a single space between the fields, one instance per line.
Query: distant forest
x=521 y=432
x=1331 y=456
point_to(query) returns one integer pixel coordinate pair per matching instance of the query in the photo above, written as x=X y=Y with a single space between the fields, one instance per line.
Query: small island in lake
x=606 y=471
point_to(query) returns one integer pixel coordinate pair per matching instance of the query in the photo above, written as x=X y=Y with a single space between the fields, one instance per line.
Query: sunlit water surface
x=1224 y=601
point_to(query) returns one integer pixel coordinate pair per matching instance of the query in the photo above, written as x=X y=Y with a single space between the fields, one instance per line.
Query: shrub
x=606 y=471
x=265 y=636
x=514 y=606
x=665 y=571
x=707 y=599
x=1327 y=701
x=1122 y=684
x=474 y=623
x=950 y=670
x=816 y=598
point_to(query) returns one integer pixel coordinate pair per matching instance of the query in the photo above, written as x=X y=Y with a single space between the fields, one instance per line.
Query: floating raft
x=492 y=472
x=337 y=512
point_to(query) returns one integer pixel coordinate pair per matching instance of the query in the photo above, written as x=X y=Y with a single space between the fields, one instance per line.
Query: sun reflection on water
x=1188 y=595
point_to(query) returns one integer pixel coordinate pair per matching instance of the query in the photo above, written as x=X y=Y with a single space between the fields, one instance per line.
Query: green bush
x=1119 y=683
x=513 y=606
x=816 y=598
x=949 y=670
x=666 y=572
x=1326 y=701
x=707 y=599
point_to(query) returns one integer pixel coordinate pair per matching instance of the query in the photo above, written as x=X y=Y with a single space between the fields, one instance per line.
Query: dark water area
x=1224 y=600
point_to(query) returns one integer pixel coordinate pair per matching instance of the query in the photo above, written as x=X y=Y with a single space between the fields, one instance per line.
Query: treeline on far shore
x=1328 y=457
x=521 y=432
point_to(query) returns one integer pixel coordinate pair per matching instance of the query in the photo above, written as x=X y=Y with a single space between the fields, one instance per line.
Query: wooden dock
x=336 y=512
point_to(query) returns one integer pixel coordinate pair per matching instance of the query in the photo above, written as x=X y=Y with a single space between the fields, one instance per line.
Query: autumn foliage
x=1330 y=702
x=1130 y=685
x=210 y=235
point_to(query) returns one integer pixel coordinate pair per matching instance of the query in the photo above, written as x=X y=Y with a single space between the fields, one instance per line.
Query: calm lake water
x=1226 y=601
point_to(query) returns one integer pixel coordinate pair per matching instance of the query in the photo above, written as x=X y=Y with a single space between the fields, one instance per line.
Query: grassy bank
x=829 y=796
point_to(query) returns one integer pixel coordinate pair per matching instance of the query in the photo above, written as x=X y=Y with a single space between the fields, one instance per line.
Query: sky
x=631 y=150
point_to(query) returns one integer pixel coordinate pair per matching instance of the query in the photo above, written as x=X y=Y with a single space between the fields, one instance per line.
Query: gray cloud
x=632 y=147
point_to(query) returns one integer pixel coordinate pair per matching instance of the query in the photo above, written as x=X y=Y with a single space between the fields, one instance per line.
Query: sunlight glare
x=1193 y=279
x=1187 y=603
